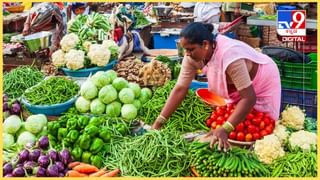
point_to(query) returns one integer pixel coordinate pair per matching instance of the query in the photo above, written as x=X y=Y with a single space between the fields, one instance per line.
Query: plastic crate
x=306 y=100
x=165 y=41
x=197 y=84
x=86 y=72
x=298 y=75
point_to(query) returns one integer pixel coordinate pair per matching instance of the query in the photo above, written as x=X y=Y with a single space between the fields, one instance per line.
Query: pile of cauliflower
x=99 y=54
x=281 y=132
x=293 y=117
x=268 y=149
x=303 y=139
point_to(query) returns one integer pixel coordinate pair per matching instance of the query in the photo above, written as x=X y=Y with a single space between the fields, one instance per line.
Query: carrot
x=73 y=164
x=85 y=168
x=73 y=173
x=112 y=173
x=99 y=173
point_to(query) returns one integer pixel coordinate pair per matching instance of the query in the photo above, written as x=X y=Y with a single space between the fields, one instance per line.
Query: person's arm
x=69 y=12
x=26 y=26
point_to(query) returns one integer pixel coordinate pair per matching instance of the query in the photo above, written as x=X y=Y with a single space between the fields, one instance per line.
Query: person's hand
x=156 y=125
x=219 y=136
x=237 y=11
x=26 y=31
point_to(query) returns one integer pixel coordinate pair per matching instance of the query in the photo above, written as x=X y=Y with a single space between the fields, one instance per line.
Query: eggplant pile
x=10 y=107
x=39 y=160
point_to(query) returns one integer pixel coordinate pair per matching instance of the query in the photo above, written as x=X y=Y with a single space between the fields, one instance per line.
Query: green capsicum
x=84 y=141
x=86 y=157
x=66 y=142
x=95 y=121
x=77 y=153
x=72 y=123
x=105 y=134
x=121 y=128
x=96 y=145
x=106 y=148
x=53 y=127
x=83 y=121
x=73 y=135
x=96 y=161
x=92 y=130
x=52 y=139
x=62 y=133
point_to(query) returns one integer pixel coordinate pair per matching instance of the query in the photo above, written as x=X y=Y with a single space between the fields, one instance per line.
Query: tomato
x=240 y=127
x=219 y=112
x=209 y=122
x=267 y=121
x=273 y=122
x=248 y=137
x=251 y=129
x=269 y=129
x=256 y=136
x=214 y=125
x=218 y=126
x=266 y=115
x=250 y=116
x=220 y=120
x=259 y=115
x=233 y=135
x=247 y=123
x=256 y=121
x=230 y=105
x=231 y=111
x=262 y=125
x=240 y=136
x=263 y=133
x=226 y=116
x=214 y=116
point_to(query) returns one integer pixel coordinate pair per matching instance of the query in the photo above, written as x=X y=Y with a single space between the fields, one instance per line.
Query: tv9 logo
x=291 y=25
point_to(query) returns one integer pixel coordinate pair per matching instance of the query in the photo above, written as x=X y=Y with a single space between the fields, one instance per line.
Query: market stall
x=89 y=111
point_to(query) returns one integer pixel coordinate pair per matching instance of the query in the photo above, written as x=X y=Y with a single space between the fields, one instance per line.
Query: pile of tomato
x=254 y=127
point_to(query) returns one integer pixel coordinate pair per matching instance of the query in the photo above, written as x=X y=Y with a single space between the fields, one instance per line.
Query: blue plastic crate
x=197 y=84
x=86 y=72
x=165 y=41
x=306 y=100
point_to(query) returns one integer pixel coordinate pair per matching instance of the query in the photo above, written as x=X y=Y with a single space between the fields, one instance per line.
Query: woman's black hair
x=197 y=32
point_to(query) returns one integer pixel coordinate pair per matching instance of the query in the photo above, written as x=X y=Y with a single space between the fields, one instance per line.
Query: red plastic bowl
x=209 y=97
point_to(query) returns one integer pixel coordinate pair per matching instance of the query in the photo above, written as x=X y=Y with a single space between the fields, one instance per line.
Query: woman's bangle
x=162 y=119
x=228 y=127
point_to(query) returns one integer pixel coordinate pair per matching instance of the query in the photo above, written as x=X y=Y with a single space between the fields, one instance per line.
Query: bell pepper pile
x=254 y=127
x=86 y=138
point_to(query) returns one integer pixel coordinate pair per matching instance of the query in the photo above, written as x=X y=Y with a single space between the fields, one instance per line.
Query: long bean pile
x=295 y=164
x=155 y=154
x=54 y=90
x=189 y=116
x=19 y=79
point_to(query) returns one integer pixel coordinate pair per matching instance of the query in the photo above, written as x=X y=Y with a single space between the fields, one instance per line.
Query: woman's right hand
x=156 y=125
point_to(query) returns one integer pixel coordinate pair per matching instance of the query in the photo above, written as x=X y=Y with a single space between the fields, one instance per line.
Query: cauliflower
x=109 y=43
x=99 y=54
x=293 y=117
x=113 y=48
x=303 y=139
x=268 y=149
x=58 y=59
x=69 y=41
x=281 y=132
x=86 y=45
x=75 y=59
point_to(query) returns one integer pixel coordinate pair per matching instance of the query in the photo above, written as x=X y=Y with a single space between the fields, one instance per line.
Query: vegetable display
x=188 y=117
x=236 y=163
x=53 y=90
x=174 y=65
x=19 y=79
x=155 y=73
x=129 y=69
x=155 y=154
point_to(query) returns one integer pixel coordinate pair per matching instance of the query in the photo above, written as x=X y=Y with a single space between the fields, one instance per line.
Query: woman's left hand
x=220 y=136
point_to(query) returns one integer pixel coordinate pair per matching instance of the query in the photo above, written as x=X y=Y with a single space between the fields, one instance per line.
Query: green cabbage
x=12 y=124
x=100 y=79
x=8 y=140
x=136 y=89
x=97 y=107
x=88 y=90
x=108 y=94
x=119 y=83
x=137 y=104
x=145 y=95
x=113 y=109
x=111 y=74
x=39 y=118
x=34 y=124
x=26 y=137
x=129 y=112
x=126 y=95
x=82 y=104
